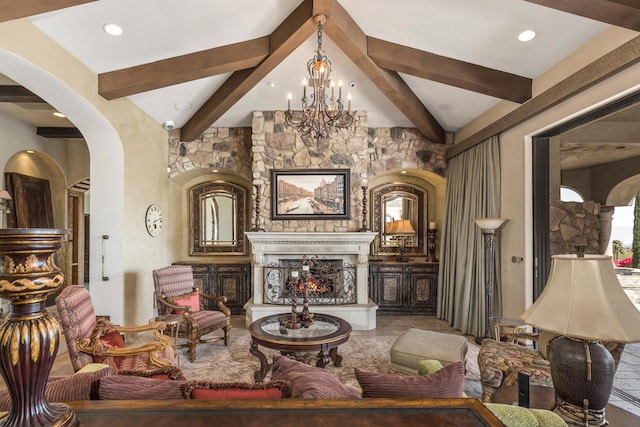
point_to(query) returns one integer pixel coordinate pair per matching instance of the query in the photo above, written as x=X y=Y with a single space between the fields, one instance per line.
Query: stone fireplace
x=270 y=249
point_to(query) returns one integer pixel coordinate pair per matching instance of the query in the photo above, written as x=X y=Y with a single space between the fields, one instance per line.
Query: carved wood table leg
x=323 y=358
x=337 y=359
x=30 y=337
x=264 y=364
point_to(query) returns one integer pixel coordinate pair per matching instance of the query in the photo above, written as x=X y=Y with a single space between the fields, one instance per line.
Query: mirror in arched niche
x=399 y=214
x=217 y=218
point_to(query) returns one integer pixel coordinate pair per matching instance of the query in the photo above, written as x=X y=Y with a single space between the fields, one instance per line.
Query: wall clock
x=153 y=220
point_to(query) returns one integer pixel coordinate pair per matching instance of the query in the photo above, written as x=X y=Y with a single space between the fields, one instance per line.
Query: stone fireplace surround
x=351 y=247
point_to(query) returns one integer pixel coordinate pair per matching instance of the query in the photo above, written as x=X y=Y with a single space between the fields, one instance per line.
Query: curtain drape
x=473 y=191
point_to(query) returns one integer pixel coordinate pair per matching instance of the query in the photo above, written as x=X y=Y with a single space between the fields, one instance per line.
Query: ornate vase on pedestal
x=30 y=337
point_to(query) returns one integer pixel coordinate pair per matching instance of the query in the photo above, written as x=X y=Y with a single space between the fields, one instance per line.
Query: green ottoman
x=415 y=345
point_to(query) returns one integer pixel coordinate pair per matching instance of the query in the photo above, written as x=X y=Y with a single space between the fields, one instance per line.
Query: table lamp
x=400 y=230
x=584 y=303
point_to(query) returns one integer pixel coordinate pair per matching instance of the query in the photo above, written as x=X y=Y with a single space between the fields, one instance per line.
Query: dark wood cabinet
x=229 y=279
x=404 y=287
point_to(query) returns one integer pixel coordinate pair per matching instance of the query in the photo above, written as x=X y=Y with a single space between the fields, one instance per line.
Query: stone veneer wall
x=574 y=223
x=275 y=146
x=269 y=144
x=404 y=148
x=222 y=148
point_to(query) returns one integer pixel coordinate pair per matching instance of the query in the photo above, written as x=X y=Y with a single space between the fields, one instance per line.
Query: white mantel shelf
x=351 y=247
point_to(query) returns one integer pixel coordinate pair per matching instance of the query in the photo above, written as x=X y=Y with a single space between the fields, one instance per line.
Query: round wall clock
x=153 y=219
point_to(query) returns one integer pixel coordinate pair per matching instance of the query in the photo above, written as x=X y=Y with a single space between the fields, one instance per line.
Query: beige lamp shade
x=584 y=299
x=400 y=227
x=4 y=195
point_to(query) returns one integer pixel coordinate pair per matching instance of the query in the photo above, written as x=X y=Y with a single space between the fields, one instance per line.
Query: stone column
x=604 y=242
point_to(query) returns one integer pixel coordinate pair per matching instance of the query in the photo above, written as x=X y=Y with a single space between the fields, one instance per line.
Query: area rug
x=366 y=350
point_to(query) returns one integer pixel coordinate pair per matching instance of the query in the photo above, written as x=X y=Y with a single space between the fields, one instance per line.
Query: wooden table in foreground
x=545 y=398
x=286 y=412
x=324 y=336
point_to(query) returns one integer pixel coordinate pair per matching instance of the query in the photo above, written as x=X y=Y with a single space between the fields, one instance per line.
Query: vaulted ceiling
x=430 y=64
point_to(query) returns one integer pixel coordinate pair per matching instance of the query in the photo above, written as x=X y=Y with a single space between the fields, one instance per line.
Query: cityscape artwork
x=310 y=194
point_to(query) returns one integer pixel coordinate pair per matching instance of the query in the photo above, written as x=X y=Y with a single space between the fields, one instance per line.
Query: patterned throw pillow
x=104 y=336
x=447 y=382
x=128 y=387
x=310 y=382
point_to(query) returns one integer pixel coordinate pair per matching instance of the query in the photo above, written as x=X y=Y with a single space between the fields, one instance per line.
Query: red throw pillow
x=192 y=300
x=236 y=393
x=111 y=340
x=212 y=390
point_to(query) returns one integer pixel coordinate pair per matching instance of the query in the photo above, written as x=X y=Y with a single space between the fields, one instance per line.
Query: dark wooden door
x=31 y=201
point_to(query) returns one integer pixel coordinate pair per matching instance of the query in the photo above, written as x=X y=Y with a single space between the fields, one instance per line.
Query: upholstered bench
x=415 y=345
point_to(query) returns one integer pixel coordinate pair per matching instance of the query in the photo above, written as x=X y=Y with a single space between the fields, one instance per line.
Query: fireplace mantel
x=351 y=247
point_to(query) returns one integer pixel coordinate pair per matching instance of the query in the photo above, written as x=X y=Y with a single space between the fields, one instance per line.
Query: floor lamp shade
x=584 y=303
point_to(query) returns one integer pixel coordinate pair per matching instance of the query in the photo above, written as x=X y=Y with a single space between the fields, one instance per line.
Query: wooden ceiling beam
x=353 y=42
x=58 y=132
x=452 y=72
x=621 y=13
x=291 y=33
x=11 y=9
x=18 y=94
x=184 y=68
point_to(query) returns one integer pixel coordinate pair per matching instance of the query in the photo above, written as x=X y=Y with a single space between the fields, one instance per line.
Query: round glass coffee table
x=324 y=336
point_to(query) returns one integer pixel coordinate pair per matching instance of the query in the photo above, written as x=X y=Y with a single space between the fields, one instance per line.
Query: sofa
x=290 y=379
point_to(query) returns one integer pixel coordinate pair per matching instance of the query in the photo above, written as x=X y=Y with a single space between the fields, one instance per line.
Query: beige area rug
x=368 y=350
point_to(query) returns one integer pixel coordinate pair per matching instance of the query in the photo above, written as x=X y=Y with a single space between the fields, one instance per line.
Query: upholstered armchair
x=92 y=340
x=499 y=363
x=175 y=294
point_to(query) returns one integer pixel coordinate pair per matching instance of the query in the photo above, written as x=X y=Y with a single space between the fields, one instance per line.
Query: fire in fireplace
x=327 y=281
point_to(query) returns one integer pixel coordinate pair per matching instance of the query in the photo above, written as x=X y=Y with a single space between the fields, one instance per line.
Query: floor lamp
x=489 y=228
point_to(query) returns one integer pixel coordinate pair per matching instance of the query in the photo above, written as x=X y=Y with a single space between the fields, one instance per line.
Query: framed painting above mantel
x=312 y=194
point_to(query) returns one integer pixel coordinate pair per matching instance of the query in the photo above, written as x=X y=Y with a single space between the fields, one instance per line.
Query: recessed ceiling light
x=271 y=83
x=112 y=29
x=59 y=114
x=527 y=35
x=183 y=106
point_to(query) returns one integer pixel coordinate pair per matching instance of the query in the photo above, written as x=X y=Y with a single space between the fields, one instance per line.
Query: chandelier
x=322 y=113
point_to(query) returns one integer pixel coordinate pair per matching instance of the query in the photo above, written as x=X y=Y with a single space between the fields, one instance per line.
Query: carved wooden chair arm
x=220 y=300
x=158 y=326
x=163 y=299
x=154 y=348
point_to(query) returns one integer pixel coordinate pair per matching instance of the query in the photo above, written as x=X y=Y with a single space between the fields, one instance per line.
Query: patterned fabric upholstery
x=177 y=280
x=173 y=281
x=501 y=361
x=77 y=320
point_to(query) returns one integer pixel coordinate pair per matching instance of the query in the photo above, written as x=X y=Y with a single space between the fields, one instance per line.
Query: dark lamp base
x=582 y=374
